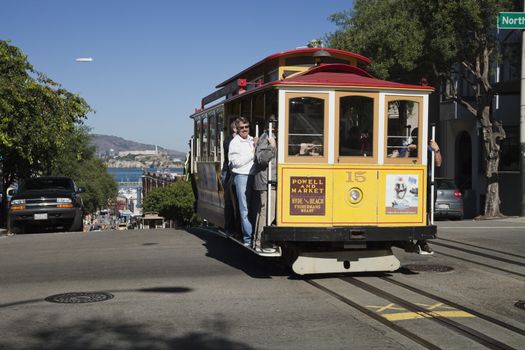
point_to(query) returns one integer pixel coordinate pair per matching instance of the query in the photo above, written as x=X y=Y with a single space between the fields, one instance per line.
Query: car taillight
x=457 y=194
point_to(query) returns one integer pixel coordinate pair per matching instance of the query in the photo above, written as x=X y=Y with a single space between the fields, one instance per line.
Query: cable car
x=348 y=187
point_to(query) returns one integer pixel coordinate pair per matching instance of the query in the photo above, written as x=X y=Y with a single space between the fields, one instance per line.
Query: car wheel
x=17 y=230
x=77 y=224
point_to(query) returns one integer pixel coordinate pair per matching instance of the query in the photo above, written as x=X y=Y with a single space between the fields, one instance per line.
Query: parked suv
x=46 y=202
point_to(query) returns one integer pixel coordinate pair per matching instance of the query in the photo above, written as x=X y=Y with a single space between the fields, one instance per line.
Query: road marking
x=408 y=315
x=388 y=307
x=403 y=316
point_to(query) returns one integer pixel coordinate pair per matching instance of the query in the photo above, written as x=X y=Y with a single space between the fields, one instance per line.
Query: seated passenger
x=308 y=149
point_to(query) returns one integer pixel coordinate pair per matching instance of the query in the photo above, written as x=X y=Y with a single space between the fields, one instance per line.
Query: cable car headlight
x=355 y=195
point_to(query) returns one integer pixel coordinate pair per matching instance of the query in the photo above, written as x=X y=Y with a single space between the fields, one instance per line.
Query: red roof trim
x=363 y=59
x=325 y=77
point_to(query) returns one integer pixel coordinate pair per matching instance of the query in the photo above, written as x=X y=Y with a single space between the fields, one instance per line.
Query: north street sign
x=511 y=20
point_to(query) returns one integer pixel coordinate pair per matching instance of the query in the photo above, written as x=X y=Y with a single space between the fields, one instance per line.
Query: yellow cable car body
x=349 y=187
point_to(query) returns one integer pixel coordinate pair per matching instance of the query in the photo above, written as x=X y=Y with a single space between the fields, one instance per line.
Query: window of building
x=510 y=150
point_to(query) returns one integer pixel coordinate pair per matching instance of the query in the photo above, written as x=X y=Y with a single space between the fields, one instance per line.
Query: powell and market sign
x=511 y=20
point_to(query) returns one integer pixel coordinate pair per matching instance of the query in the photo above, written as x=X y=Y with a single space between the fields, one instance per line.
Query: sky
x=155 y=59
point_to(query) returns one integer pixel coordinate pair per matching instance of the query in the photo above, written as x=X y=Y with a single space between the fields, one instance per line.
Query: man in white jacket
x=241 y=155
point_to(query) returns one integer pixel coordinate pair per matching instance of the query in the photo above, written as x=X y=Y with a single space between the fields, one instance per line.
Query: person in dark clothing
x=432 y=147
x=227 y=183
x=265 y=156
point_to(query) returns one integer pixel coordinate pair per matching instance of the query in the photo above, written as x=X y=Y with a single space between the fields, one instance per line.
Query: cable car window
x=356 y=126
x=306 y=126
x=403 y=128
x=213 y=135
x=198 y=132
x=258 y=112
x=204 y=139
x=246 y=110
x=220 y=127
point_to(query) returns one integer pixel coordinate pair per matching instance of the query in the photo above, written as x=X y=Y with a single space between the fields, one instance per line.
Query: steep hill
x=105 y=143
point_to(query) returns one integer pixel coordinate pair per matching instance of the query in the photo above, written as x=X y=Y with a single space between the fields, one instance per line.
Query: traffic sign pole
x=522 y=121
x=516 y=20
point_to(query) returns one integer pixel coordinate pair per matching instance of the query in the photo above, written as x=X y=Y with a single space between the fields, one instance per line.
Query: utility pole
x=516 y=20
x=522 y=120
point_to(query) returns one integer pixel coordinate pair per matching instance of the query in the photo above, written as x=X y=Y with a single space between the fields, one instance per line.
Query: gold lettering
x=358 y=176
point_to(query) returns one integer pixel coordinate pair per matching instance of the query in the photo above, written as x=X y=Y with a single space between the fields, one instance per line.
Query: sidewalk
x=511 y=221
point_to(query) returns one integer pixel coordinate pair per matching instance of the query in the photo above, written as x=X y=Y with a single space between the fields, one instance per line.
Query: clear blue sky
x=155 y=59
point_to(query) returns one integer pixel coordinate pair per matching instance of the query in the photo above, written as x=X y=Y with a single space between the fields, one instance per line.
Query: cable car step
x=277 y=253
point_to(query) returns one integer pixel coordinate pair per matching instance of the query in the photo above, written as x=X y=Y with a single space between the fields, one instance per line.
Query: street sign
x=511 y=20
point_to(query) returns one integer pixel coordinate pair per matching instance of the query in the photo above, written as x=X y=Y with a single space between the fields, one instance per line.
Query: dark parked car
x=46 y=202
x=449 y=200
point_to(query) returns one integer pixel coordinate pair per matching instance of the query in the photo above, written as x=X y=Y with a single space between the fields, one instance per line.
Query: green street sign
x=511 y=20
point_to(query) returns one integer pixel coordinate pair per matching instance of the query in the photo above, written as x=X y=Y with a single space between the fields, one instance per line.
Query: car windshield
x=445 y=184
x=47 y=183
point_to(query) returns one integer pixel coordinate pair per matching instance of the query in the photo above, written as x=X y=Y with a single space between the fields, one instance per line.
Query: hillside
x=105 y=143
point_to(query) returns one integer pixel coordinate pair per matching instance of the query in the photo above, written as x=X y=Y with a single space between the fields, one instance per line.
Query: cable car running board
x=276 y=254
x=345 y=261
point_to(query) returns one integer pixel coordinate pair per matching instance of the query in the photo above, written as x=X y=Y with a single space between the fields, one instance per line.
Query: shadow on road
x=232 y=254
x=97 y=334
x=162 y=289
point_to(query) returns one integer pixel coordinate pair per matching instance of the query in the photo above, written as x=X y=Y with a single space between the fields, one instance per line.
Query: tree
x=174 y=202
x=36 y=115
x=439 y=41
x=78 y=160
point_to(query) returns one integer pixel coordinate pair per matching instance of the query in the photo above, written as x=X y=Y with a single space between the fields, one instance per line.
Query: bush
x=174 y=202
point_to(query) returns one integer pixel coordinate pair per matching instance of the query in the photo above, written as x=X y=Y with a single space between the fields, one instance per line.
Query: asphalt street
x=177 y=289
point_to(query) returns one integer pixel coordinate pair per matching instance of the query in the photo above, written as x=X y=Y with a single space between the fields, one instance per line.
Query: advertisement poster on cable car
x=402 y=193
x=307 y=195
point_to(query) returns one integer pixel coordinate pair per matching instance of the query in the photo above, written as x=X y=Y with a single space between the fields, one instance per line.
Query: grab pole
x=432 y=167
x=269 y=188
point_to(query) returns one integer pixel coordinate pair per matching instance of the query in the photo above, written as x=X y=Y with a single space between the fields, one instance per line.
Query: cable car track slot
x=466 y=331
x=457 y=306
x=382 y=320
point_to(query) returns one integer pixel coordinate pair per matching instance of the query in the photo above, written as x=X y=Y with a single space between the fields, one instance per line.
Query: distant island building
x=139 y=153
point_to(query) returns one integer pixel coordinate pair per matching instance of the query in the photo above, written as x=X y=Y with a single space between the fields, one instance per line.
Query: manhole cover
x=428 y=268
x=79 y=298
x=520 y=304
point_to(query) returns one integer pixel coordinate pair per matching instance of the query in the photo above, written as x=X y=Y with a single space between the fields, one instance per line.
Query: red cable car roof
x=361 y=59
x=345 y=75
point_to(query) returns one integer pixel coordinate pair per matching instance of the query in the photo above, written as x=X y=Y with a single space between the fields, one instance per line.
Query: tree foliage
x=174 y=202
x=41 y=130
x=439 y=41
x=36 y=114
